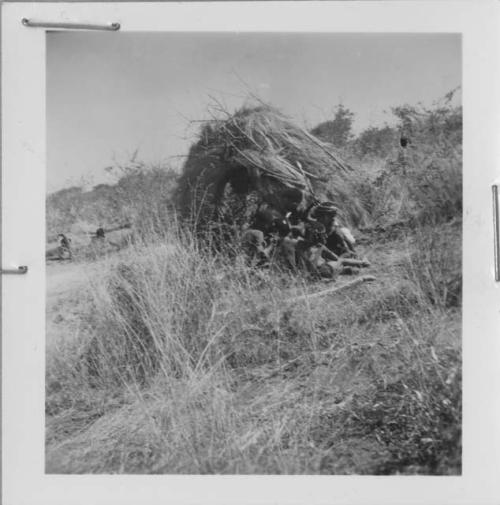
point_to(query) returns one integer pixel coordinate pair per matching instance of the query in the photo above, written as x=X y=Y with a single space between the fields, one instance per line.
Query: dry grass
x=260 y=149
x=185 y=370
x=182 y=361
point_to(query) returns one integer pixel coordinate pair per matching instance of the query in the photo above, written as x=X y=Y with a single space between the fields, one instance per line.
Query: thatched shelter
x=259 y=154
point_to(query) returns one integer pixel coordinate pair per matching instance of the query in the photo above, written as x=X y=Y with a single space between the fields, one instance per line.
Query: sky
x=110 y=94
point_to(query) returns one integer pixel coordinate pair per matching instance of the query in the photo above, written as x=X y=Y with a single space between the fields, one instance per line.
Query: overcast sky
x=109 y=94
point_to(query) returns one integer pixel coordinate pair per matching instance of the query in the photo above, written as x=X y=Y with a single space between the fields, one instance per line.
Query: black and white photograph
x=253 y=253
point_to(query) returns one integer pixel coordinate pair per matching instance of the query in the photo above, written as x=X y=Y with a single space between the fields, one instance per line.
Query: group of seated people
x=64 y=248
x=312 y=241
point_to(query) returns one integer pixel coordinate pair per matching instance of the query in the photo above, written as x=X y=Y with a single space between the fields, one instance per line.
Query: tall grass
x=415 y=413
x=191 y=366
x=420 y=183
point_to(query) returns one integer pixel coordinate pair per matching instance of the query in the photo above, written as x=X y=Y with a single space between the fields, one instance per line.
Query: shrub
x=421 y=183
x=152 y=312
x=417 y=416
x=142 y=196
x=434 y=264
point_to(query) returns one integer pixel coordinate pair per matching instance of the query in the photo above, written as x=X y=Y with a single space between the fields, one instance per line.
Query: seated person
x=266 y=219
x=290 y=237
x=320 y=260
x=254 y=245
x=64 y=246
x=339 y=238
x=100 y=232
x=341 y=241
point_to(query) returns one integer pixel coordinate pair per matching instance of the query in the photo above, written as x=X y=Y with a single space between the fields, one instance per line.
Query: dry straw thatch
x=259 y=150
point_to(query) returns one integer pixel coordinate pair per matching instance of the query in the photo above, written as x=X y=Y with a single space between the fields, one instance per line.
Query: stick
x=329 y=291
x=316 y=294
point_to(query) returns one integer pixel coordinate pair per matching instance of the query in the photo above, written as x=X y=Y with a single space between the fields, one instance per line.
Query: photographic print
x=254 y=253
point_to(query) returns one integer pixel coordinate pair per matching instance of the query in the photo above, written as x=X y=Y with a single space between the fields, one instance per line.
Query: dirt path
x=66 y=283
x=63 y=277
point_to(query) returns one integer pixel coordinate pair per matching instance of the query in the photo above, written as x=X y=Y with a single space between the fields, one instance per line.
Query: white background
x=23 y=243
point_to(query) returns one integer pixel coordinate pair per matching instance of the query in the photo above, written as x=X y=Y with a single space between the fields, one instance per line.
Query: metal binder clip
x=496 y=225
x=70 y=25
x=19 y=270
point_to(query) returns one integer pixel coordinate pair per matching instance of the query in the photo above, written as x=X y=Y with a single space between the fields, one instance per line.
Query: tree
x=376 y=141
x=337 y=131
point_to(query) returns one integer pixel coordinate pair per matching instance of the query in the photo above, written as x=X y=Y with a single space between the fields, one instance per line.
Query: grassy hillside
x=141 y=193
x=168 y=359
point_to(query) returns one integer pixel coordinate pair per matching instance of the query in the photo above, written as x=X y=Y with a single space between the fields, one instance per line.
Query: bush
x=375 y=142
x=421 y=183
x=434 y=264
x=142 y=196
x=416 y=417
x=152 y=313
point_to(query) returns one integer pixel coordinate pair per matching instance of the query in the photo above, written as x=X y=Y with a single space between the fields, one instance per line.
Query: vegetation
x=336 y=131
x=73 y=210
x=175 y=359
x=259 y=151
